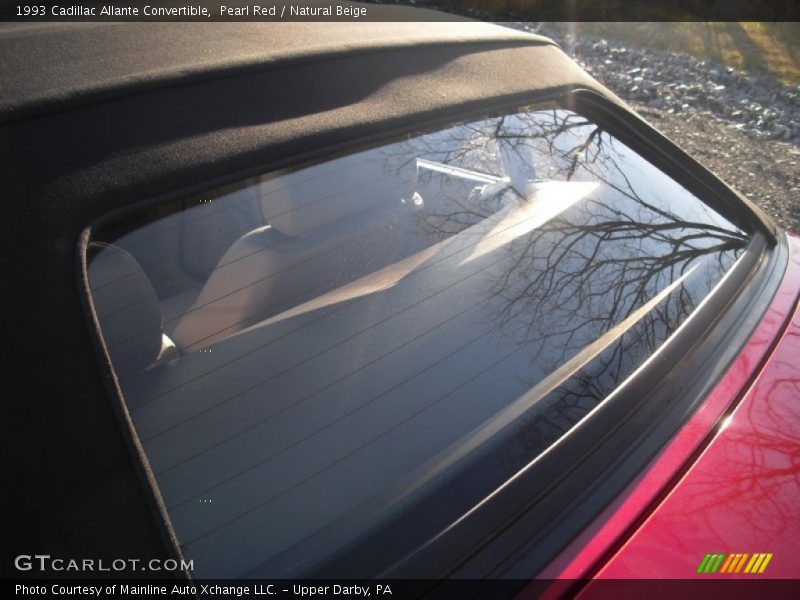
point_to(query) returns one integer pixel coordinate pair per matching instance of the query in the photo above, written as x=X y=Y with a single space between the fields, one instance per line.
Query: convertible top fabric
x=95 y=118
x=49 y=66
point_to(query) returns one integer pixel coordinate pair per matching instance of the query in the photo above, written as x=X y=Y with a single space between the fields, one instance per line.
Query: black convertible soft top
x=49 y=66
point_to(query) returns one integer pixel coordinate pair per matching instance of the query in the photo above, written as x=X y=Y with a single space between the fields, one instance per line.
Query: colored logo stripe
x=758 y=563
x=765 y=563
x=727 y=565
x=710 y=563
x=735 y=563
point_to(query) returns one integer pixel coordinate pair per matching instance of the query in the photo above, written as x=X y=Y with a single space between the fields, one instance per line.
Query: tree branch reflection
x=562 y=285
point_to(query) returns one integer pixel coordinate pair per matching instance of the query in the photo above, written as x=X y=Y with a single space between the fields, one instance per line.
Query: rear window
x=308 y=356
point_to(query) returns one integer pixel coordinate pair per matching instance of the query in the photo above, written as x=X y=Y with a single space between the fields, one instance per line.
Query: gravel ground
x=744 y=128
x=766 y=171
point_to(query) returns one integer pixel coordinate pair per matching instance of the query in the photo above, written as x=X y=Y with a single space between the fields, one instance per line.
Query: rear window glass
x=307 y=356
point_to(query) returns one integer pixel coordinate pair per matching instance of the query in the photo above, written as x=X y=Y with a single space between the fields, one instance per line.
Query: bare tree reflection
x=565 y=283
x=758 y=467
x=750 y=475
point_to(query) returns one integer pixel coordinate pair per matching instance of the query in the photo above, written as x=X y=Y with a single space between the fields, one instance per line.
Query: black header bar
x=399 y=10
x=652 y=589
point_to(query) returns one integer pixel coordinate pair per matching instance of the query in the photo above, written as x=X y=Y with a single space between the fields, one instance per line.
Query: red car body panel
x=728 y=482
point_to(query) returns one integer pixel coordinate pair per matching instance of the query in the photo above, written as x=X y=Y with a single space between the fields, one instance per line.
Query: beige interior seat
x=314 y=218
x=127 y=308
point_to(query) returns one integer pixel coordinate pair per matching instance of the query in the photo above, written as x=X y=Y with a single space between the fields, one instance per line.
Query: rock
x=679 y=82
x=745 y=128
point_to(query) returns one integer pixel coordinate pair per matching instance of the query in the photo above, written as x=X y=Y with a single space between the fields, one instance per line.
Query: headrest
x=305 y=200
x=208 y=230
x=127 y=308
